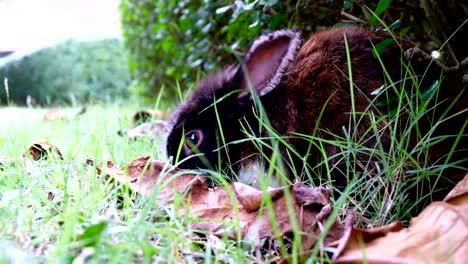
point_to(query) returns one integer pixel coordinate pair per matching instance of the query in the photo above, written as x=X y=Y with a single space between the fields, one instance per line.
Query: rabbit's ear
x=267 y=60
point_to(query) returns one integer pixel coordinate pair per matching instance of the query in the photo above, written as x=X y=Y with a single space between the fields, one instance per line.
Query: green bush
x=69 y=72
x=170 y=40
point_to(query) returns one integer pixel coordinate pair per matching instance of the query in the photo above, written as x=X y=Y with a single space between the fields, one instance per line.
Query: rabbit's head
x=208 y=129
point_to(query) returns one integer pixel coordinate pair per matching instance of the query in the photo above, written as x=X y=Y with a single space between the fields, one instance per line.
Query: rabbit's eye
x=193 y=139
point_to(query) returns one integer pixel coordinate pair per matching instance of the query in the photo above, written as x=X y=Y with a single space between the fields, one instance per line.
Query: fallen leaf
x=148 y=115
x=50 y=196
x=219 y=207
x=439 y=234
x=143 y=175
x=459 y=194
x=152 y=130
x=43 y=149
x=56 y=114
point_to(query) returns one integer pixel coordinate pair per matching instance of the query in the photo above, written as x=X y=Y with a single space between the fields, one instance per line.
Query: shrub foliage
x=168 y=39
x=69 y=72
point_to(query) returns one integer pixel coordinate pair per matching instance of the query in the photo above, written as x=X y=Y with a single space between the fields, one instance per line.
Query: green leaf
x=381 y=7
x=404 y=31
x=347 y=4
x=427 y=94
x=148 y=250
x=92 y=234
x=395 y=24
x=379 y=48
x=276 y=21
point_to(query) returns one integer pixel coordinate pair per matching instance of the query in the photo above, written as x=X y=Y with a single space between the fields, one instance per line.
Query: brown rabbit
x=305 y=91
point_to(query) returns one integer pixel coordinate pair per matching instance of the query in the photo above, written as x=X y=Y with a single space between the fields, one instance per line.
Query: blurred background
x=73 y=52
x=61 y=52
x=32 y=24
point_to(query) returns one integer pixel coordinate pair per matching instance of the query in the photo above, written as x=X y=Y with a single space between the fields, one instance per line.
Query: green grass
x=51 y=229
x=62 y=211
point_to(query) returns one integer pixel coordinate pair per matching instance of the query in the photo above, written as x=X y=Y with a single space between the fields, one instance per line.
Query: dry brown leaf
x=152 y=130
x=459 y=194
x=43 y=149
x=144 y=175
x=148 y=115
x=240 y=203
x=146 y=125
x=56 y=114
x=439 y=234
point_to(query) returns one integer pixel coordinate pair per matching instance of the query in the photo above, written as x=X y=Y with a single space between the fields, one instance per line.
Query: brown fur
x=318 y=74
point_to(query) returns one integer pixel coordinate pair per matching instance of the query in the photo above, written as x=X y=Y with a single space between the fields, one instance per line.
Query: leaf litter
x=438 y=234
x=56 y=114
x=235 y=203
x=151 y=130
x=148 y=115
x=148 y=123
x=42 y=150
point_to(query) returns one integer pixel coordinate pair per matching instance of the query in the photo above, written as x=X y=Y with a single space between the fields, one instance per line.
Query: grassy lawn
x=44 y=213
x=61 y=211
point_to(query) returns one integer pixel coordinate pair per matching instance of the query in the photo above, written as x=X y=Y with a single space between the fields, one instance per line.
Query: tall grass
x=386 y=181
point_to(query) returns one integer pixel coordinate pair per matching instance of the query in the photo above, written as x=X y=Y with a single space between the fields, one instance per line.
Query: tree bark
x=447 y=27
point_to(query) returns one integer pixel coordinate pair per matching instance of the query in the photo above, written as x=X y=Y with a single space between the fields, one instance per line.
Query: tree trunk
x=444 y=18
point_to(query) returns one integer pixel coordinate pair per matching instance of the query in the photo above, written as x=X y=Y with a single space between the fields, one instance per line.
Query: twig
x=352 y=18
